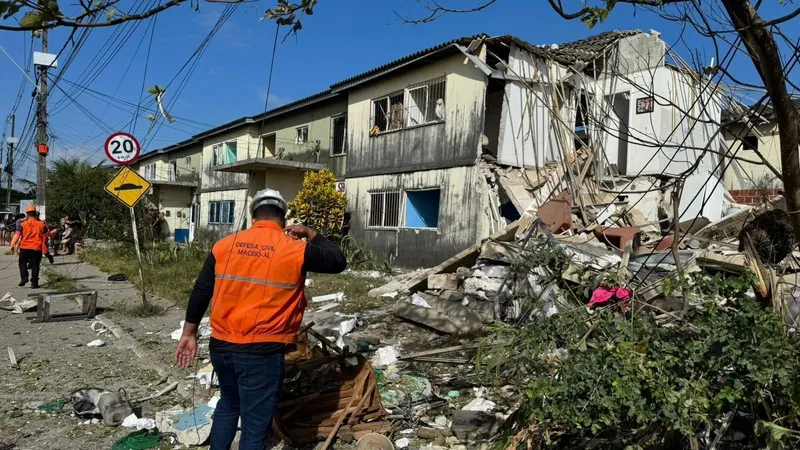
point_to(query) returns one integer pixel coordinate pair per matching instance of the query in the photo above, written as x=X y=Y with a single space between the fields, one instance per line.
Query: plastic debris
x=309 y=282
x=402 y=443
x=96 y=343
x=138 y=440
x=203 y=331
x=384 y=357
x=192 y=426
x=14 y=306
x=12 y=358
x=479 y=404
x=140 y=424
x=602 y=294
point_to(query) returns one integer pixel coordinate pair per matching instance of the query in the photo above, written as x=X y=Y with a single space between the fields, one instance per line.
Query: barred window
x=418 y=104
x=384 y=209
x=221 y=211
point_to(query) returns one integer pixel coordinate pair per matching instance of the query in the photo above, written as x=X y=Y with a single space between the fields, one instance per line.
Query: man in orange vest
x=31 y=235
x=254 y=280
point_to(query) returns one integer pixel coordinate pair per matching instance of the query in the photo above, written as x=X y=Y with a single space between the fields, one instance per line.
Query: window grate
x=339 y=137
x=418 y=104
x=384 y=209
x=221 y=212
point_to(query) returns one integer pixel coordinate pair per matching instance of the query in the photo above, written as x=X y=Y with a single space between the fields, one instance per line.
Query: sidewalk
x=54 y=359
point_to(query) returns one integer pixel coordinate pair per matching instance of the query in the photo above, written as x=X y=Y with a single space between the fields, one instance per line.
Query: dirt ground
x=137 y=356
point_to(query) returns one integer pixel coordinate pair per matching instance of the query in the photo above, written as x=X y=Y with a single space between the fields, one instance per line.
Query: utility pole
x=10 y=163
x=41 y=163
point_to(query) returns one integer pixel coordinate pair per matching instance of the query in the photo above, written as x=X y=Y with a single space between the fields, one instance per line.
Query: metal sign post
x=138 y=255
x=129 y=187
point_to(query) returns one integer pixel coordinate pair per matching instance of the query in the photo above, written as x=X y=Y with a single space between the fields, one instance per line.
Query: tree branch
x=76 y=21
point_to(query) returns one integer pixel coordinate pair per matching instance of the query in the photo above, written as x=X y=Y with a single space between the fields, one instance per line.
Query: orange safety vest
x=33 y=235
x=259 y=286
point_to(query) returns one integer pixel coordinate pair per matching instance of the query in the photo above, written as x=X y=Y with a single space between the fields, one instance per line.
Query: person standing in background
x=31 y=235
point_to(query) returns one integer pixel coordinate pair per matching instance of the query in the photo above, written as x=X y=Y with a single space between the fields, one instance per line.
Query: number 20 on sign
x=122 y=148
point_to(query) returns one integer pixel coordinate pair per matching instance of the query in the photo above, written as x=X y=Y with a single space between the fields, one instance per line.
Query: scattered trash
x=479 y=404
x=118 y=277
x=212 y=402
x=374 y=441
x=140 y=424
x=327 y=306
x=191 y=427
x=402 y=443
x=53 y=406
x=12 y=358
x=9 y=303
x=96 y=343
x=602 y=294
x=114 y=407
x=384 y=357
x=204 y=376
x=138 y=440
x=453 y=394
x=203 y=331
x=309 y=282
x=338 y=297
x=98 y=327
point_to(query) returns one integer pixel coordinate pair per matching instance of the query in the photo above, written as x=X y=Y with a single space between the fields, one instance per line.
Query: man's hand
x=187 y=346
x=187 y=350
x=300 y=232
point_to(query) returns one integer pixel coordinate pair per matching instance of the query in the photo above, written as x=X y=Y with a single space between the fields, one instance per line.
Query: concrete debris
x=336 y=297
x=443 y=281
x=96 y=343
x=384 y=357
x=192 y=426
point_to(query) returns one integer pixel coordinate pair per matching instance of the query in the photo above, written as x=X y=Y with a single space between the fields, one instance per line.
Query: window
x=422 y=208
x=425 y=103
x=750 y=143
x=339 y=135
x=387 y=113
x=418 y=104
x=221 y=211
x=150 y=171
x=217 y=156
x=223 y=153
x=172 y=173
x=384 y=209
x=301 y=135
x=188 y=162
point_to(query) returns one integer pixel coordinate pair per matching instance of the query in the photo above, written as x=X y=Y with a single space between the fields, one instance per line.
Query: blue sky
x=342 y=38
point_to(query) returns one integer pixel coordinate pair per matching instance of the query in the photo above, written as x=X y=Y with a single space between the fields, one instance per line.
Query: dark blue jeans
x=249 y=387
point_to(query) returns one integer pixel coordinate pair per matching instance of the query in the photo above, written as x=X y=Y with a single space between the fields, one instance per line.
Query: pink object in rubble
x=602 y=294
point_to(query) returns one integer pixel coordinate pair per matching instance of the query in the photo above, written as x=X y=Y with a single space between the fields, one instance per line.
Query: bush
x=604 y=379
x=319 y=205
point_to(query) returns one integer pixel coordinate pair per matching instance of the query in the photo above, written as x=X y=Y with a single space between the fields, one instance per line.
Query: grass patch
x=58 y=282
x=169 y=270
x=149 y=309
x=355 y=288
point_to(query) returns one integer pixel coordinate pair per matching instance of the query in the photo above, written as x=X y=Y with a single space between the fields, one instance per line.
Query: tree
x=319 y=205
x=35 y=15
x=76 y=188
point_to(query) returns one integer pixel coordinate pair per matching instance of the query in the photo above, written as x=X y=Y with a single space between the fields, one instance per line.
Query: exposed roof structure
x=583 y=50
x=764 y=112
x=588 y=49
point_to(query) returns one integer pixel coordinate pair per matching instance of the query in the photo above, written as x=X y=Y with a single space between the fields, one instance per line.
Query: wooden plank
x=466 y=258
x=341 y=418
x=440 y=351
x=363 y=401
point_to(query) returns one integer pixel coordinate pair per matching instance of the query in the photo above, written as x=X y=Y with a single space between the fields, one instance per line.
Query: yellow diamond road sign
x=128 y=186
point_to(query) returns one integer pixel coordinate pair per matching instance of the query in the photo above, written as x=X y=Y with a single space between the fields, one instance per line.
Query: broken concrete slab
x=428 y=317
x=504 y=252
x=452 y=296
x=491 y=271
x=192 y=427
x=482 y=287
x=443 y=281
x=556 y=214
x=465 y=258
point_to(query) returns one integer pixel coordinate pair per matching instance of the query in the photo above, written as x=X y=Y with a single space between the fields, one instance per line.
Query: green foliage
x=75 y=187
x=615 y=381
x=290 y=14
x=360 y=259
x=319 y=205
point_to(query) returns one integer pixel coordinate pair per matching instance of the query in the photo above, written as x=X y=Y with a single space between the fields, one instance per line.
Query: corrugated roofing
x=588 y=49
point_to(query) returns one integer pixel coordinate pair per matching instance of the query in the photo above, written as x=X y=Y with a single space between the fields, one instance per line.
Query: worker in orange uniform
x=31 y=235
x=254 y=280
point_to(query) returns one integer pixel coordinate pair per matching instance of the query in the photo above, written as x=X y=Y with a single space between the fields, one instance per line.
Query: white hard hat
x=268 y=197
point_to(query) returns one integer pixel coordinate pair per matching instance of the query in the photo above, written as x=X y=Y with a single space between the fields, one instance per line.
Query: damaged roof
x=588 y=49
x=405 y=60
x=764 y=111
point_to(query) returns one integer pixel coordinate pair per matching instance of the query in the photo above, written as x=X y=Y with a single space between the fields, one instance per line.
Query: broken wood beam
x=440 y=351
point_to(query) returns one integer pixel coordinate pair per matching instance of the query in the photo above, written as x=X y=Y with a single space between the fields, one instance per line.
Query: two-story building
x=174 y=172
x=749 y=179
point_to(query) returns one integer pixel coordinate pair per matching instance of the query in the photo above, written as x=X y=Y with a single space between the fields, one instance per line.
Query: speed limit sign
x=122 y=148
